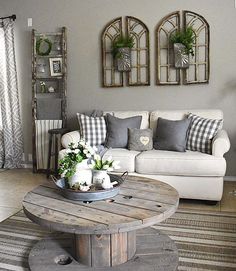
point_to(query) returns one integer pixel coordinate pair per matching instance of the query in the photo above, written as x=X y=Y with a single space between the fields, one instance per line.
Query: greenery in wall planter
x=186 y=37
x=183 y=46
x=121 y=50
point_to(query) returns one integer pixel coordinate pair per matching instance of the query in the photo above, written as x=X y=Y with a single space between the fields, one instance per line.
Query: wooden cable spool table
x=102 y=235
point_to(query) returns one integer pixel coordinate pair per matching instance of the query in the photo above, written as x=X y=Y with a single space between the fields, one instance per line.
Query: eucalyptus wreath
x=39 y=44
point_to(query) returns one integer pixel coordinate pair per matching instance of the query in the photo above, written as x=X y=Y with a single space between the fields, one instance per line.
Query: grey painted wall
x=86 y=18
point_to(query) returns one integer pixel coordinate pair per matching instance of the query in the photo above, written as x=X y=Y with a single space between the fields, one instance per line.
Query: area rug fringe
x=206 y=241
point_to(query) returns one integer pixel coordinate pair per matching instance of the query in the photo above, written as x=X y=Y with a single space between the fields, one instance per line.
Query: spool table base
x=154 y=251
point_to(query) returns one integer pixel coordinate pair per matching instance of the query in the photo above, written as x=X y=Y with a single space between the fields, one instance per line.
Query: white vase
x=101 y=179
x=83 y=174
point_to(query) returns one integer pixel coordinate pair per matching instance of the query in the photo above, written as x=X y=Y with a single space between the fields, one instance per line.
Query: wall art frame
x=199 y=65
x=139 y=75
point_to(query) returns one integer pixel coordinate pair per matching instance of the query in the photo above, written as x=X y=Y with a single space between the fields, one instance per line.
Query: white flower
x=116 y=165
x=85 y=151
x=68 y=151
x=63 y=174
x=84 y=188
x=105 y=167
x=88 y=155
x=92 y=163
x=82 y=143
x=76 y=151
x=109 y=158
x=97 y=157
x=91 y=150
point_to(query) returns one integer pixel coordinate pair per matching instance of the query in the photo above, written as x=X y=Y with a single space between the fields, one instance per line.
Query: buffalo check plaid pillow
x=93 y=129
x=201 y=133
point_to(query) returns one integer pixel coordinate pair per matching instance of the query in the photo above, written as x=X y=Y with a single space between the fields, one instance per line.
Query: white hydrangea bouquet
x=74 y=154
x=83 y=168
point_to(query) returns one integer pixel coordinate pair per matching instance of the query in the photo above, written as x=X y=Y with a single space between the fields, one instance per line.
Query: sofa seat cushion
x=126 y=158
x=187 y=163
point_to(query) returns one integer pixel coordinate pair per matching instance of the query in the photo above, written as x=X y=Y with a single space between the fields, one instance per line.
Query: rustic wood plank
x=119 y=248
x=148 y=195
x=122 y=208
x=101 y=250
x=131 y=243
x=158 y=206
x=146 y=204
x=70 y=208
x=83 y=252
x=148 y=186
x=54 y=220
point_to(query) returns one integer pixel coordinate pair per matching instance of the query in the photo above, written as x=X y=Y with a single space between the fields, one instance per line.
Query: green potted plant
x=73 y=167
x=183 y=41
x=121 y=50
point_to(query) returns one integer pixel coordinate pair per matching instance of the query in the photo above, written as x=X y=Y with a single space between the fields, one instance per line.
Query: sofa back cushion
x=129 y=114
x=181 y=114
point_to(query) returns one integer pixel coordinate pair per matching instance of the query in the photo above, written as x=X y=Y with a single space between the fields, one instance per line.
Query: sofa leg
x=211 y=202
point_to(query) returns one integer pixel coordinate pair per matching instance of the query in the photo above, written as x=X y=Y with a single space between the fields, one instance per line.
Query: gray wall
x=86 y=18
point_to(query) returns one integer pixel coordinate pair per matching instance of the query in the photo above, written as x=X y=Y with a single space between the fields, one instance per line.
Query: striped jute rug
x=205 y=240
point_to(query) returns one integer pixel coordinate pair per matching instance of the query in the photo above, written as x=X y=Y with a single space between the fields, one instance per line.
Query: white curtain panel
x=11 y=136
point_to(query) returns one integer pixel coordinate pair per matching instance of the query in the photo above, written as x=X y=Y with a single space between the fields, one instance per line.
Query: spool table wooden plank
x=103 y=233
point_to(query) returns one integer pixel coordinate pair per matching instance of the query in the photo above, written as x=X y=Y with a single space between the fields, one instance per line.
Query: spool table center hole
x=63 y=260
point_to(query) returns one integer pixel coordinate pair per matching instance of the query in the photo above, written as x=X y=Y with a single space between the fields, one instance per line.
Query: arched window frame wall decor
x=140 y=66
x=164 y=53
x=199 y=65
x=111 y=31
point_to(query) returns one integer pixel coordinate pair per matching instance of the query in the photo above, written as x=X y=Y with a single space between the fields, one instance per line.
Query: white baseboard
x=230 y=178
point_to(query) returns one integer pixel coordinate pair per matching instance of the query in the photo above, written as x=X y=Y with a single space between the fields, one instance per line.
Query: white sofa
x=195 y=175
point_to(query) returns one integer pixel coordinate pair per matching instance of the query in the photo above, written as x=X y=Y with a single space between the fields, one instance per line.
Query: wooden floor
x=14 y=184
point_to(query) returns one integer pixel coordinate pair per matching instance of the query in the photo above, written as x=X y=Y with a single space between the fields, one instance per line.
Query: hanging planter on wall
x=123 y=59
x=181 y=57
x=183 y=46
x=121 y=49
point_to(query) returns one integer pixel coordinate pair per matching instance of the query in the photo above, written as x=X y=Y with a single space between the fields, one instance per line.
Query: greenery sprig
x=186 y=37
x=39 y=44
x=121 y=42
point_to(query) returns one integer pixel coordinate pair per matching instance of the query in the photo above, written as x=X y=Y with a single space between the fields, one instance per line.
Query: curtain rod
x=13 y=17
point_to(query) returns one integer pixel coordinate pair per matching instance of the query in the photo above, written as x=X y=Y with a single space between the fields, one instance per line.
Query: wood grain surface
x=155 y=251
x=141 y=203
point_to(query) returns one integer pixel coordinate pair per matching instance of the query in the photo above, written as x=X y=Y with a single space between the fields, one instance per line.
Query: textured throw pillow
x=201 y=133
x=93 y=129
x=140 y=139
x=117 y=130
x=171 y=135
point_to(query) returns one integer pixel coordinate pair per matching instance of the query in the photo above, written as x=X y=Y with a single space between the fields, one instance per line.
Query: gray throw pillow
x=140 y=139
x=117 y=130
x=171 y=135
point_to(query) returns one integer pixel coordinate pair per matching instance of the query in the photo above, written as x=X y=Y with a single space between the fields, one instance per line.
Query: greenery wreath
x=39 y=43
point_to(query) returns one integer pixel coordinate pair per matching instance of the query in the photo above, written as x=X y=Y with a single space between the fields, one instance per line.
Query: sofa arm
x=71 y=137
x=220 y=144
